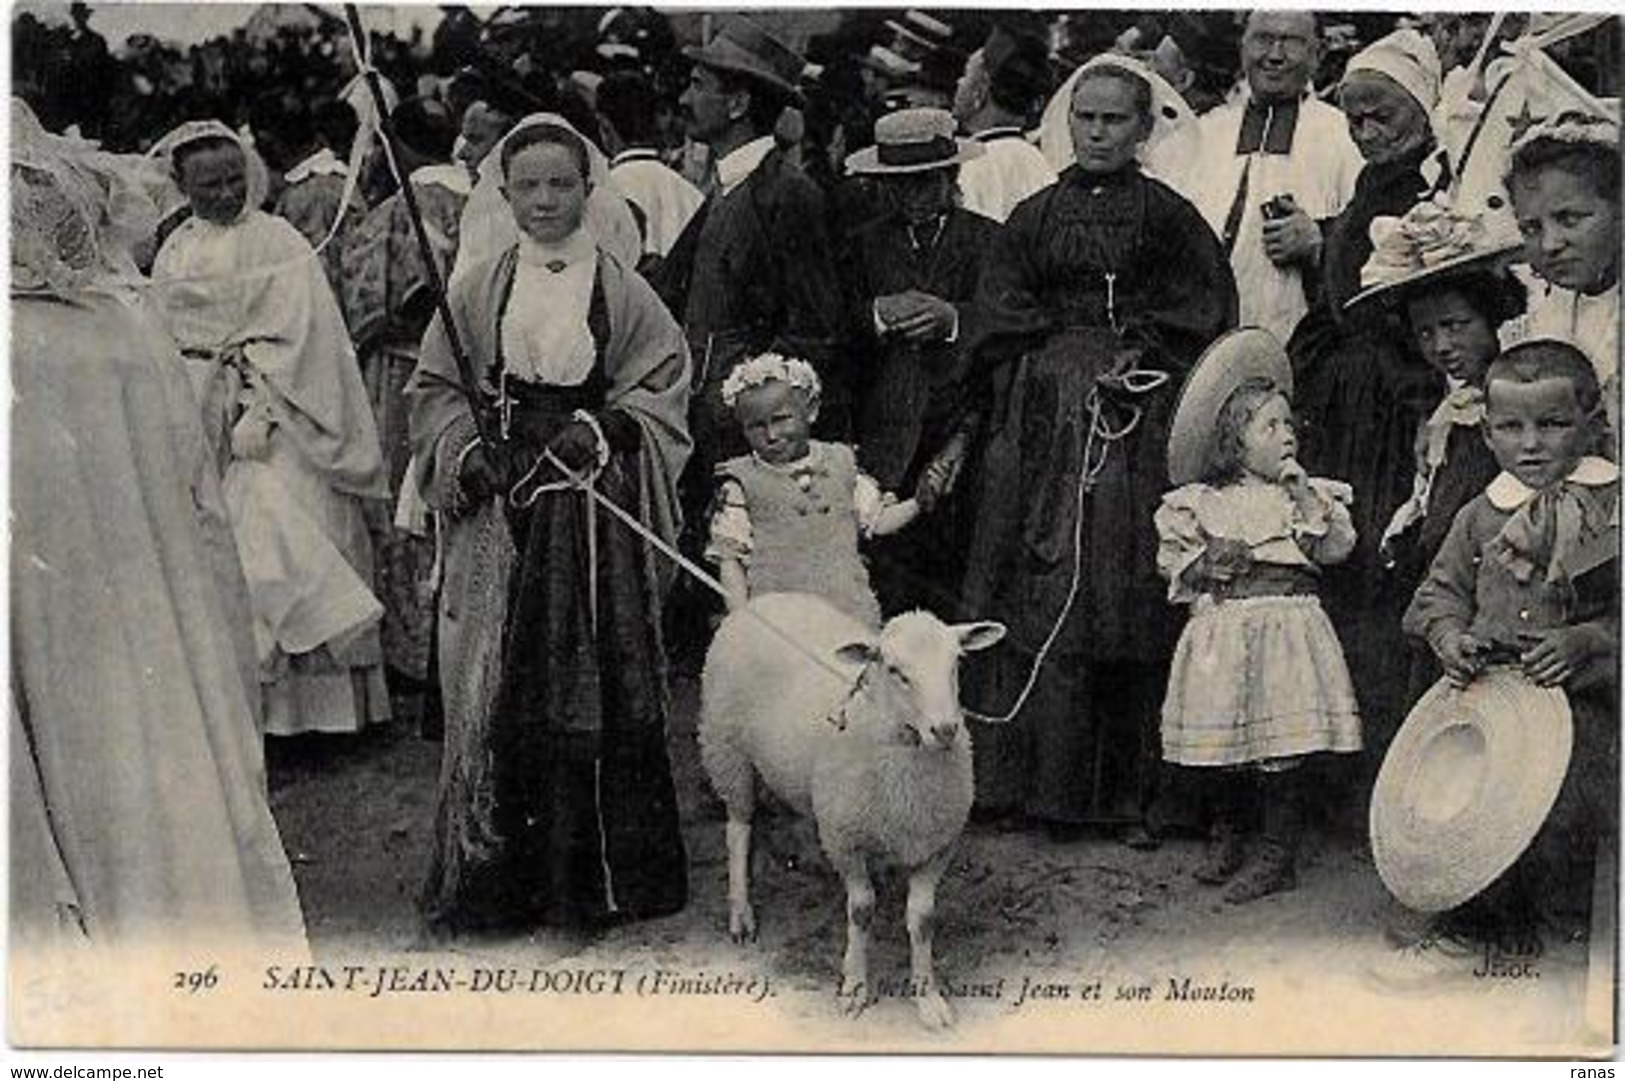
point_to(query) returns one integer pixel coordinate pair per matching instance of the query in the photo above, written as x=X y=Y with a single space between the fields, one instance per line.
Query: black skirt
x=583 y=808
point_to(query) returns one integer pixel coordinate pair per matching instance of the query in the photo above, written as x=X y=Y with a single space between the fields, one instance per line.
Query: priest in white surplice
x=1279 y=145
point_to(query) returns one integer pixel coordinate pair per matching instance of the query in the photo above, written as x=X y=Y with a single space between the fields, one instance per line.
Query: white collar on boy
x=1507 y=493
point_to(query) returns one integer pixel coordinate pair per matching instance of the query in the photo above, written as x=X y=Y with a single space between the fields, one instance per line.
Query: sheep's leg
x=741 y=917
x=734 y=779
x=856 y=993
x=922 y=904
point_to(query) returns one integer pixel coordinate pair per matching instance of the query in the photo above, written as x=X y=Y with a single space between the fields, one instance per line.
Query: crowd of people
x=1186 y=368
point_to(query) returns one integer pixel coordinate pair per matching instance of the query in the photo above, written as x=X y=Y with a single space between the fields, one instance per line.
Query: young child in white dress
x=789 y=515
x=1258 y=679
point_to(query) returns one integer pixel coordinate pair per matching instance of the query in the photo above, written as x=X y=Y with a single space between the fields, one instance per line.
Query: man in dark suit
x=753 y=271
x=911 y=277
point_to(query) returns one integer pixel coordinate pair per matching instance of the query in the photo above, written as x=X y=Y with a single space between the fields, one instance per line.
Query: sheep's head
x=911 y=674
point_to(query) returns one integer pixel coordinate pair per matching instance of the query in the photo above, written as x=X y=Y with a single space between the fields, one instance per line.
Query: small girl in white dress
x=1258 y=679
x=789 y=515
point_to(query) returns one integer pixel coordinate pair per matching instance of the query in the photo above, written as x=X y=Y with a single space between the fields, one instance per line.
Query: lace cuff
x=1316 y=519
x=1324 y=529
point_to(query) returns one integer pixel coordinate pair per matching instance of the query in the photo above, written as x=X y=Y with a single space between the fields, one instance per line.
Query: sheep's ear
x=977 y=636
x=858 y=653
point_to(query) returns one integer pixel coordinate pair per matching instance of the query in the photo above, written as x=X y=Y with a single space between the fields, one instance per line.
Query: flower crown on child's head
x=770 y=368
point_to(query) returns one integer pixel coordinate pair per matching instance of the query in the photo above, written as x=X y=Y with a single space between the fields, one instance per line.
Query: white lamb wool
x=879 y=756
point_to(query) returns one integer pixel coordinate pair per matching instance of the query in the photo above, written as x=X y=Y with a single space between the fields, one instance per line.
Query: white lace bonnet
x=194 y=131
x=76 y=210
x=488 y=227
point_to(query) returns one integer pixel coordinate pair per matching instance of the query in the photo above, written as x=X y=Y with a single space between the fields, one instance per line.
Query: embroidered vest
x=805 y=539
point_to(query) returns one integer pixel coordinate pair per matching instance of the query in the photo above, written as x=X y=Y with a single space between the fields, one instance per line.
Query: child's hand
x=1292 y=475
x=1296 y=482
x=1226 y=558
x=1555 y=656
x=928 y=490
x=1462 y=657
x=940 y=477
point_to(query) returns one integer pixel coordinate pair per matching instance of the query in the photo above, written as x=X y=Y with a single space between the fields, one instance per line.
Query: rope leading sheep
x=881 y=759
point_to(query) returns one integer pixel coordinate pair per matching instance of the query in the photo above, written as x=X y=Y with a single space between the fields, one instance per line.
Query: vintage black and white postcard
x=794 y=529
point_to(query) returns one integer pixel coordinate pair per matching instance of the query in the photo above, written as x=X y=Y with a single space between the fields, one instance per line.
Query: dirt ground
x=1092 y=916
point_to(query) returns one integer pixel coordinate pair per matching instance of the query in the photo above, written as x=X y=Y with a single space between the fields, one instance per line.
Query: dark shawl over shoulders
x=1174 y=289
x=1327 y=329
x=645 y=361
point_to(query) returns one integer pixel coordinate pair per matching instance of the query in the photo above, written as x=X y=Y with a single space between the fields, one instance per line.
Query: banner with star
x=1522 y=88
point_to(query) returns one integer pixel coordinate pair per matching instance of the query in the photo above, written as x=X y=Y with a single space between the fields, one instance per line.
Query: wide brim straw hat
x=1497 y=260
x=1241 y=355
x=1430 y=244
x=923 y=29
x=913 y=141
x=888 y=64
x=744 y=48
x=1466 y=785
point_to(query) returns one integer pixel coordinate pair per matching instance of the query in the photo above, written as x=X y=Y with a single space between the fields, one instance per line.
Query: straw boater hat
x=1431 y=244
x=888 y=64
x=919 y=33
x=741 y=47
x=1247 y=353
x=1466 y=785
x=913 y=141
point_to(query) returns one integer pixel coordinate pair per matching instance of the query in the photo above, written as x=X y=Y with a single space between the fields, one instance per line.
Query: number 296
x=197 y=980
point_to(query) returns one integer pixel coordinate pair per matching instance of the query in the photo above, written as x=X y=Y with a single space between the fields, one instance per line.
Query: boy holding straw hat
x=1521 y=601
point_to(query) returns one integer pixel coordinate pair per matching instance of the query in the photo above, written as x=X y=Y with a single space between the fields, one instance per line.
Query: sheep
x=878 y=755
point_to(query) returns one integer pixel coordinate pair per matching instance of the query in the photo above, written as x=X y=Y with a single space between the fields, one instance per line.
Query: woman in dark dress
x=556 y=798
x=1090 y=334
x=1360 y=395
